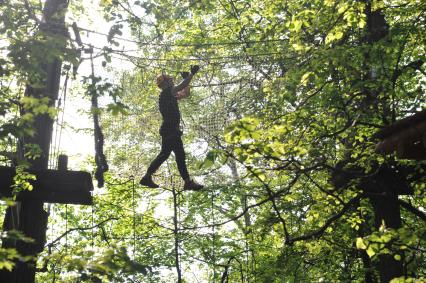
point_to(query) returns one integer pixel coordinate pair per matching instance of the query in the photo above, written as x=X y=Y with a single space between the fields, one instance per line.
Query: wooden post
x=62 y=162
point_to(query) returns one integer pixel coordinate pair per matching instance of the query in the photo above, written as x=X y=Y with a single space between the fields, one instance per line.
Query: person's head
x=165 y=81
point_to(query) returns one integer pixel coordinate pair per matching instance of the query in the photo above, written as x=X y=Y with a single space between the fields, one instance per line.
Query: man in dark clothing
x=170 y=131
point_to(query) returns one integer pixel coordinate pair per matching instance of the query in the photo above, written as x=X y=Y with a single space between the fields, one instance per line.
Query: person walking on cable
x=170 y=132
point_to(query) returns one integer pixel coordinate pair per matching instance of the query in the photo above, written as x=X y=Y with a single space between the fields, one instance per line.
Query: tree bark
x=383 y=198
x=32 y=216
x=387 y=213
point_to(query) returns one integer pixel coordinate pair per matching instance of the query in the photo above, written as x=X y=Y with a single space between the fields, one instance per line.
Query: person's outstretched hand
x=195 y=69
x=184 y=75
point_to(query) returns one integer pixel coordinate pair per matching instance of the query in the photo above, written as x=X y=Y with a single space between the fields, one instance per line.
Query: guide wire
x=54 y=146
x=188 y=44
x=236 y=58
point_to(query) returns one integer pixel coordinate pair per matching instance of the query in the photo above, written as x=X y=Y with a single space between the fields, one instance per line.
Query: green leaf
x=209 y=160
x=6 y=265
x=370 y=251
x=360 y=244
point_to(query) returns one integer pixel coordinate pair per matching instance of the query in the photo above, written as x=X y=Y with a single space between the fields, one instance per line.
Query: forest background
x=280 y=127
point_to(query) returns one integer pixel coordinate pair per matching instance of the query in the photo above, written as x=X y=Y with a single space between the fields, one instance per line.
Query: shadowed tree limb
x=412 y=209
x=318 y=233
x=80 y=229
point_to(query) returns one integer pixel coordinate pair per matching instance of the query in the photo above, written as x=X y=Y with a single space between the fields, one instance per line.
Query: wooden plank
x=409 y=143
x=71 y=187
x=401 y=125
x=413 y=151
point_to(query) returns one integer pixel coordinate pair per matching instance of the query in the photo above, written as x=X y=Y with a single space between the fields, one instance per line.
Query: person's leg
x=161 y=157
x=180 y=157
x=180 y=161
x=166 y=149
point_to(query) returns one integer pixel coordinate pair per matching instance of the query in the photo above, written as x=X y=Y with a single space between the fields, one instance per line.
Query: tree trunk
x=387 y=212
x=384 y=198
x=32 y=217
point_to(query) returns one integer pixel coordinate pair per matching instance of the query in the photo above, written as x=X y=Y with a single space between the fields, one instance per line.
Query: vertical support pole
x=249 y=260
x=62 y=162
x=213 y=238
x=176 y=233
x=134 y=216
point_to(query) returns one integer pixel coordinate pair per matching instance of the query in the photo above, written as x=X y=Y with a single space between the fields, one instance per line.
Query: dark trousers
x=170 y=143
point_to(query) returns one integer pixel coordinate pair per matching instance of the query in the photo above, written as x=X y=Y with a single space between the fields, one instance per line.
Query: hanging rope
x=100 y=159
x=62 y=119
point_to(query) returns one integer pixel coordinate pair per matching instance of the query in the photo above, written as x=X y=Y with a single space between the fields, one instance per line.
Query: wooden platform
x=52 y=186
x=407 y=137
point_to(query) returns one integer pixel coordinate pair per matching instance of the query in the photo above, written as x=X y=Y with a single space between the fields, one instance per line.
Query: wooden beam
x=54 y=186
x=409 y=143
x=415 y=151
x=401 y=125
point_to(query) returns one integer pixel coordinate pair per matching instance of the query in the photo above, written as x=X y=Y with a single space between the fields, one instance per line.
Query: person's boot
x=191 y=185
x=148 y=182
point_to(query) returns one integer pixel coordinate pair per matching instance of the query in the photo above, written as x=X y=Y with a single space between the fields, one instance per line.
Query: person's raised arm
x=186 y=81
x=183 y=93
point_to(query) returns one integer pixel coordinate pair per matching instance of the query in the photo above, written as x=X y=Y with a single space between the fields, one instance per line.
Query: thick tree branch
x=416 y=65
x=31 y=12
x=241 y=214
x=412 y=209
x=320 y=231
x=79 y=229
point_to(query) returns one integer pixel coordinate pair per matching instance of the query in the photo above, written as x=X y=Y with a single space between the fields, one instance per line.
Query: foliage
x=314 y=81
x=8 y=256
x=279 y=126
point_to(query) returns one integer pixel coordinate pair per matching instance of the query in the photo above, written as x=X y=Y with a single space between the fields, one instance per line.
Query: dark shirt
x=169 y=109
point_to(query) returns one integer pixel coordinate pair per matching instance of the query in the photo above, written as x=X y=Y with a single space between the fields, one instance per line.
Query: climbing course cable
x=209 y=43
x=211 y=59
x=55 y=144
